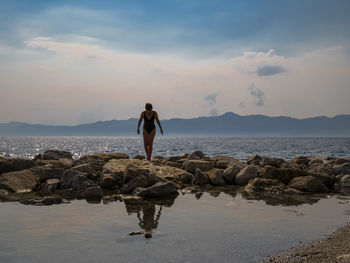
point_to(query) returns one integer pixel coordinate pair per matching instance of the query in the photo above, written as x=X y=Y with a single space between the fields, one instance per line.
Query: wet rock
x=192 y=165
x=196 y=155
x=271 y=186
x=19 y=181
x=186 y=178
x=275 y=162
x=201 y=178
x=327 y=179
x=254 y=159
x=222 y=164
x=159 y=190
x=340 y=161
x=246 y=174
x=230 y=174
x=51 y=185
x=64 y=163
x=345 y=181
x=107 y=181
x=139 y=181
x=173 y=158
x=56 y=155
x=93 y=193
x=47 y=200
x=139 y=157
x=308 y=184
x=215 y=177
x=174 y=164
x=84 y=168
x=315 y=160
x=292 y=191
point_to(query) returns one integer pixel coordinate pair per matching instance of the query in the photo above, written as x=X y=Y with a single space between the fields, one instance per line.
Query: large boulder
x=282 y=174
x=339 y=161
x=19 y=181
x=46 y=172
x=275 y=162
x=230 y=174
x=254 y=159
x=301 y=160
x=107 y=181
x=201 y=178
x=271 y=186
x=159 y=190
x=192 y=165
x=74 y=180
x=50 y=185
x=308 y=184
x=216 y=177
x=132 y=172
x=10 y=165
x=139 y=181
x=246 y=174
x=342 y=168
x=56 y=155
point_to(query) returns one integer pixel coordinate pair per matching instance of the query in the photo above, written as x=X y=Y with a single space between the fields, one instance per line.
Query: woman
x=149 y=129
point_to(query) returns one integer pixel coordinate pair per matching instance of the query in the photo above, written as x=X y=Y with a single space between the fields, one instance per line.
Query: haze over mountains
x=228 y=124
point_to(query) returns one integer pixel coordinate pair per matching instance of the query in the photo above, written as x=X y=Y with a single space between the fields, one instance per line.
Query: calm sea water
x=214 y=227
x=240 y=148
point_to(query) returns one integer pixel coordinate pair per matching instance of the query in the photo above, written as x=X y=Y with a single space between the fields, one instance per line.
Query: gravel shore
x=333 y=248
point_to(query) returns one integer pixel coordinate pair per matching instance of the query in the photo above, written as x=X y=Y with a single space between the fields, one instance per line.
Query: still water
x=216 y=227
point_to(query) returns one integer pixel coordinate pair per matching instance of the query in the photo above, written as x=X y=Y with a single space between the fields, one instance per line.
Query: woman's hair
x=148 y=106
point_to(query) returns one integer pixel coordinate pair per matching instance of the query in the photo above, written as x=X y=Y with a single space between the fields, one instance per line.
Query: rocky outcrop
x=246 y=174
x=55 y=173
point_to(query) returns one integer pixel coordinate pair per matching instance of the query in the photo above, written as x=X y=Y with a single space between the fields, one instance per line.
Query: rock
x=342 y=168
x=173 y=158
x=345 y=181
x=64 y=163
x=3 y=192
x=201 y=178
x=196 y=155
x=107 y=181
x=340 y=161
x=19 y=181
x=292 y=191
x=230 y=174
x=47 y=200
x=301 y=160
x=110 y=156
x=327 y=179
x=139 y=157
x=316 y=161
x=246 y=174
x=275 y=162
x=84 y=168
x=93 y=193
x=139 y=181
x=254 y=159
x=308 y=184
x=10 y=165
x=272 y=186
x=222 y=164
x=132 y=172
x=51 y=185
x=74 y=180
x=159 y=190
x=56 y=155
x=216 y=177
x=186 y=178
x=174 y=164
x=282 y=174
x=47 y=172
x=192 y=165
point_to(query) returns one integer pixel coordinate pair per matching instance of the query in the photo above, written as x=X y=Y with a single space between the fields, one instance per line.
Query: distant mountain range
x=228 y=124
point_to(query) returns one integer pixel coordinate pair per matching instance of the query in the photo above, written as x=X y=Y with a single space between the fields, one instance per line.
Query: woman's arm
x=158 y=122
x=140 y=120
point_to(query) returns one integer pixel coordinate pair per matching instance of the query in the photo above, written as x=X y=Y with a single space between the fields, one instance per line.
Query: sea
x=218 y=225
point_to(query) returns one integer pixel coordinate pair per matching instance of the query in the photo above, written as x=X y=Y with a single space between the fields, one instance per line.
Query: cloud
x=214 y=112
x=211 y=98
x=268 y=70
x=257 y=94
x=241 y=104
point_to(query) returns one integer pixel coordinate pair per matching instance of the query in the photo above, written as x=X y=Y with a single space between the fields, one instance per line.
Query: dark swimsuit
x=148 y=124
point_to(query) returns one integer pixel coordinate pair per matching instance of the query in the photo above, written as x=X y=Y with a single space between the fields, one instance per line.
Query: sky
x=72 y=62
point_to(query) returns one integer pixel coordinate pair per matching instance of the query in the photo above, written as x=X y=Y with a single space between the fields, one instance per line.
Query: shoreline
x=332 y=248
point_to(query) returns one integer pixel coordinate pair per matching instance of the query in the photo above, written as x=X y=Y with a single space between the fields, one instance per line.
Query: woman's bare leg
x=145 y=142
x=150 y=143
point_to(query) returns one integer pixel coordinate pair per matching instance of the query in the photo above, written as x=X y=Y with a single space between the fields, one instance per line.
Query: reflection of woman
x=148 y=222
x=149 y=129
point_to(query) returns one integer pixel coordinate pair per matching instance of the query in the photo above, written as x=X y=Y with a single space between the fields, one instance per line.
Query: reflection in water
x=147 y=214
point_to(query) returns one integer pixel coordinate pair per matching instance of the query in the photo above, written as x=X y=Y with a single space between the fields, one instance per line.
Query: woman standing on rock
x=149 y=129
